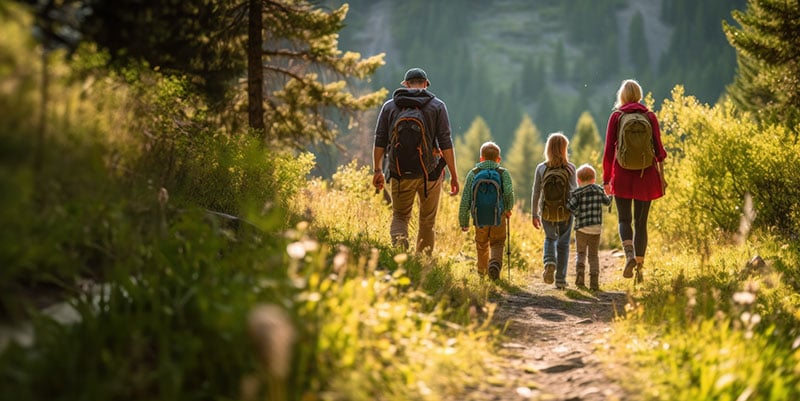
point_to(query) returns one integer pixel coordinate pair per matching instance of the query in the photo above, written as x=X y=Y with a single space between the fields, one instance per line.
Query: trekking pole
x=508 y=246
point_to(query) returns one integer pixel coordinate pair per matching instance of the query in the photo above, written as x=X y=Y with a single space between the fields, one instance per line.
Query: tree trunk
x=255 y=71
x=42 y=125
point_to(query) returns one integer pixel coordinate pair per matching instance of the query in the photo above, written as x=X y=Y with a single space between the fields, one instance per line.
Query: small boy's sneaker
x=594 y=282
x=549 y=273
x=561 y=286
x=580 y=280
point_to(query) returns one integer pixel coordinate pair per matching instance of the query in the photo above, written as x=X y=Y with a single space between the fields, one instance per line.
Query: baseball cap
x=416 y=73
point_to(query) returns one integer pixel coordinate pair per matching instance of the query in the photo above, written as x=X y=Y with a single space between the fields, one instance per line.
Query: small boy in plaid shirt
x=586 y=204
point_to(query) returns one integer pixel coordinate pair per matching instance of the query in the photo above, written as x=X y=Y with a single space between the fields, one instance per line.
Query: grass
x=719 y=330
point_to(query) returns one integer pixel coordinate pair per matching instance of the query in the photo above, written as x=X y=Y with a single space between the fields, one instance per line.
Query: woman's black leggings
x=639 y=231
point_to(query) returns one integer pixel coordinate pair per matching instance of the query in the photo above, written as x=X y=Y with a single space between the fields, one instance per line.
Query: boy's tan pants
x=489 y=242
x=586 y=247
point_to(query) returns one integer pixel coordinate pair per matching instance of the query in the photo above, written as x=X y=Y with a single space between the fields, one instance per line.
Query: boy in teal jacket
x=489 y=239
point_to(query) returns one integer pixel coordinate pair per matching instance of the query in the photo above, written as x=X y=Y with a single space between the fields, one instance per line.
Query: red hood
x=631 y=107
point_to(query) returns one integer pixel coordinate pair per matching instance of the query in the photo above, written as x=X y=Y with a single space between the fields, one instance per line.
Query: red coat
x=632 y=184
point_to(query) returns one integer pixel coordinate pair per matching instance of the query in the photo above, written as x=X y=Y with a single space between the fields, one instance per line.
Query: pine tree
x=560 y=61
x=522 y=158
x=586 y=144
x=305 y=72
x=768 y=48
x=305 y=87
x=467 y=146
x=638 y=50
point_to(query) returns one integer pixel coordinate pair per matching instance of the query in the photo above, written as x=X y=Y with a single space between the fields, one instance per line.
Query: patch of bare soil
x=552 y=337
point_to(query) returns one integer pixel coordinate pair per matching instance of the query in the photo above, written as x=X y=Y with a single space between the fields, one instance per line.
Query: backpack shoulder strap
x=500 y=171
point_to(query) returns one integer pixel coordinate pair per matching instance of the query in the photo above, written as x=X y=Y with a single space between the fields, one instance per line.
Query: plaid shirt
x=586 y=204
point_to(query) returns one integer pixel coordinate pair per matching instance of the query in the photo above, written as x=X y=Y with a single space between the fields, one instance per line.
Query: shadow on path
x=551 y=339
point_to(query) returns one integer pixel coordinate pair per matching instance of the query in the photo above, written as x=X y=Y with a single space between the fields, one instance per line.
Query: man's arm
x=378 y=180
x=445 y=142
x=379 y=147
x=450 y=159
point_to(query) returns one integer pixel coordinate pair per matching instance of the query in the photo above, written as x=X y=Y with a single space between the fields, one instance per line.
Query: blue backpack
x=487 y=197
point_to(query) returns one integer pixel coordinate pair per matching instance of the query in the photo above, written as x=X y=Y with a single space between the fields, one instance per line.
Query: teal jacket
x=466 y=193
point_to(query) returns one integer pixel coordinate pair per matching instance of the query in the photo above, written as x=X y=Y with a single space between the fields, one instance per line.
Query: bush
x=717 y=158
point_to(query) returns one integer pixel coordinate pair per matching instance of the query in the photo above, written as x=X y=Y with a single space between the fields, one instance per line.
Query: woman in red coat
x=634 y=188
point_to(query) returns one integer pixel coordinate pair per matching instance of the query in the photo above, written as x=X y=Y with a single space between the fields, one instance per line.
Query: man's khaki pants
x=489 y=242
x=403 y=194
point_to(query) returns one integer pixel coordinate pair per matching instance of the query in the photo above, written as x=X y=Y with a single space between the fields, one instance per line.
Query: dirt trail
x=552 y=338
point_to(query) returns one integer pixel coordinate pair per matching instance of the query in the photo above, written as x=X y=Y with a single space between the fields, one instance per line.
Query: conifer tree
x=637 y=45
x=560 y=61
x=305 y=72
x=768 y=49
x=467 y=146
x=586 y=144
x=305 y=88
x=522 y=157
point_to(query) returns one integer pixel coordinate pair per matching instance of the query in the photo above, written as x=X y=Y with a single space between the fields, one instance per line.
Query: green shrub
x=716 y=158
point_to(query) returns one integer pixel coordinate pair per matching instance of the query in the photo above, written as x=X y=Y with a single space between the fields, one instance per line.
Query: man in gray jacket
x=406 y=186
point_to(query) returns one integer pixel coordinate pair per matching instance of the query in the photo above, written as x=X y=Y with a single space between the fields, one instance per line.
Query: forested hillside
x=550 y=59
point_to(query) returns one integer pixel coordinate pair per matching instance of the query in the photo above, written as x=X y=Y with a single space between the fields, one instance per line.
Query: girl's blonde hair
x=555 y=151
x=629 y=92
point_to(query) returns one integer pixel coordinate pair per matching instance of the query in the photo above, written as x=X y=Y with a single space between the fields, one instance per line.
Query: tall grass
x=723 y=330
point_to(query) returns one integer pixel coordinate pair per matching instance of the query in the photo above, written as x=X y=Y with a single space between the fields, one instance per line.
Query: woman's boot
x=630 y=259
x=639 y=267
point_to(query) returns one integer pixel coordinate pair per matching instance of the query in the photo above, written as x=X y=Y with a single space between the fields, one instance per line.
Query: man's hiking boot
x=494 y=270
x=639 y=276
x=401 y=244
x=580 y=275
x=548 y=275
x=594 y=282
x=630 y=261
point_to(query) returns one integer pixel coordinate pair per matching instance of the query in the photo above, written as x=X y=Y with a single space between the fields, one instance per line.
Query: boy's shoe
x=548 y=275
x=561 y=286
x=494 y=270
x=594 y=282
x=580 y=275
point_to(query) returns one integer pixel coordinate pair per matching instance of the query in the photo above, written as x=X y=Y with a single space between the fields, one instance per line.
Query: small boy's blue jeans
x=556 y=246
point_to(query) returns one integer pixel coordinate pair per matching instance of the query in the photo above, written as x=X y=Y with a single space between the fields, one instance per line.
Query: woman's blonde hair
x=555 y=151
x=629 y=92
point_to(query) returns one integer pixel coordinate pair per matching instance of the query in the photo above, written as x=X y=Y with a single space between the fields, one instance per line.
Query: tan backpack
x=635 y=149
x=555 y=190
